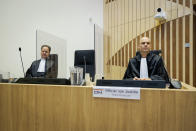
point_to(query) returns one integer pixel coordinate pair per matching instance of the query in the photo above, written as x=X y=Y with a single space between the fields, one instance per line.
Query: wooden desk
x=65 y=108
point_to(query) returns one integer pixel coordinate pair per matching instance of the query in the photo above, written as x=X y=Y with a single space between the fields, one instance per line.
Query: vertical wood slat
x=187 y=3
x=138 y=16
x=119 y=58
x=138 y=42
x=116 y=31
x=152 y=39
x=123 y=34
x=116 y=59
x=187 y=40
x=162 y=40
x=174 y=48
x=130 y=49
x=126 y=55
x=123 y=56
x=147 y=34
x=134 y=25
x=119 y=30
x=194 y=49
x=191 y=44
x=180 y=37
x=134 y=46
x=112 y=60
x=181 y=2
x=157 y=38
x=110 y=37
x=112 y=31
x=171 y=53
x=168 y=47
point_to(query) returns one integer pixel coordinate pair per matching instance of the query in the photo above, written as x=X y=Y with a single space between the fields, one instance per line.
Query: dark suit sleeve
x=159 y=72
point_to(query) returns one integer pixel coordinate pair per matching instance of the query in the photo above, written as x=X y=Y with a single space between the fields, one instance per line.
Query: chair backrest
x=52 y=66
x=87 y=57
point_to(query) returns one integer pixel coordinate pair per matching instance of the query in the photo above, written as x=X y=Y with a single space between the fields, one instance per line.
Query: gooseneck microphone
x=21 y=60
x=84 y=65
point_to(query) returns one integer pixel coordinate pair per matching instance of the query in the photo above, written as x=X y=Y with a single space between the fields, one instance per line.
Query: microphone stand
x=21 y=60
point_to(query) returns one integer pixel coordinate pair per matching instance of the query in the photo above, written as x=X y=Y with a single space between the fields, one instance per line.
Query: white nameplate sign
x=116 y=92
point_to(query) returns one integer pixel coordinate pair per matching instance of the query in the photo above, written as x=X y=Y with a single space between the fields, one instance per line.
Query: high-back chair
x=86 y=60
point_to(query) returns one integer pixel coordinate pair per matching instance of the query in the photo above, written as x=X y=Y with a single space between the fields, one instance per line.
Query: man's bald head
x=145 y=39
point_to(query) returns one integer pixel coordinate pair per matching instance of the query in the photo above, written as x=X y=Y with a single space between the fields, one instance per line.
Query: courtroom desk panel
x=60 y=108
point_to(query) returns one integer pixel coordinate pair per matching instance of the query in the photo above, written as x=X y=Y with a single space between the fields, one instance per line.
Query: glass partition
x=99 y=51
x=57 y=61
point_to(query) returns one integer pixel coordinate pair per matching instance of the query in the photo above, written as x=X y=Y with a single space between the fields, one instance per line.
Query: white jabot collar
x=42 y=65
x=143 y=68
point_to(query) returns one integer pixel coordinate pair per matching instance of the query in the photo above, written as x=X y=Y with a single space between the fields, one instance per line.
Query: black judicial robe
x=156 y=69
x=50 y=70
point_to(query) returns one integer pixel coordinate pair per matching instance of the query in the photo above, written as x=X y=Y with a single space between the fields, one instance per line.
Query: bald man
x=146 y=65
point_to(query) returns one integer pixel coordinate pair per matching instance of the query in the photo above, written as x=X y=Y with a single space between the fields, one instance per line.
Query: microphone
x=21 y=60
x=84 y=65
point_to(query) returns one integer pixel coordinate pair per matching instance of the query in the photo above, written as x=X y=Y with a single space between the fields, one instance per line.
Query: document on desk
x=116 y=92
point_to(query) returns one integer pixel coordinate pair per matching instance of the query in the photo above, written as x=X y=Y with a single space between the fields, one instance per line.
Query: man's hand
x=136 y=78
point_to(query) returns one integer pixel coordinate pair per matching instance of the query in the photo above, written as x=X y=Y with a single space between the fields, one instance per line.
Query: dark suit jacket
x=156 y=69
x=50 y=69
